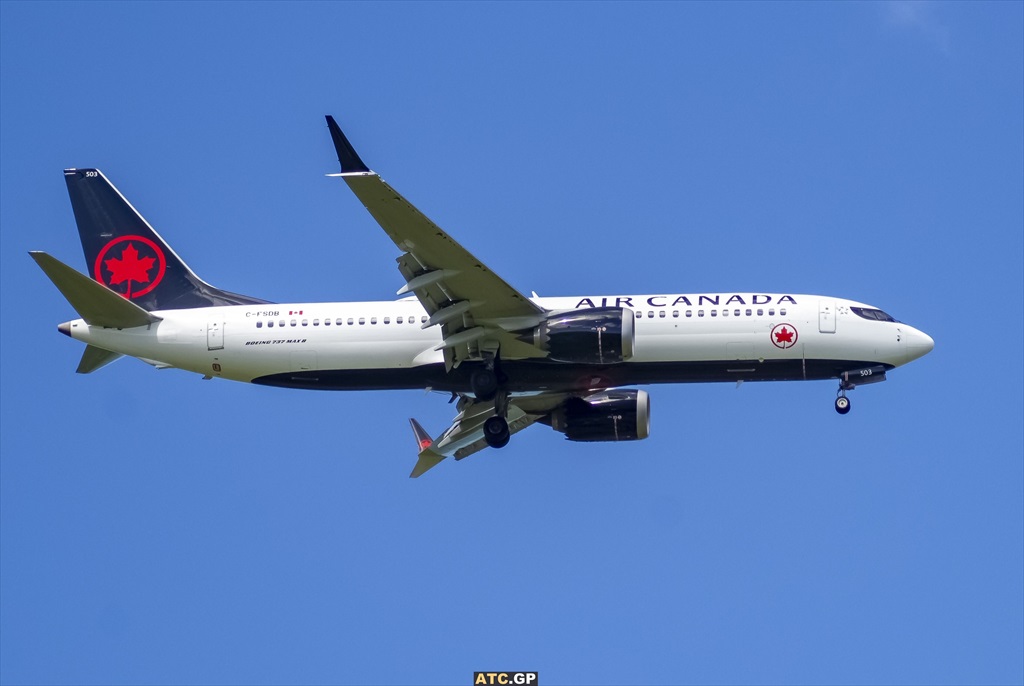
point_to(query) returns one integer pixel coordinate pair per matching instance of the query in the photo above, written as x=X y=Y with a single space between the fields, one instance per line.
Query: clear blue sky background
x=157 y=528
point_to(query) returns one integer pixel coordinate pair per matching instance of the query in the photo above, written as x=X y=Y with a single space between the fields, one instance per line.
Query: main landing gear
x=486 y=385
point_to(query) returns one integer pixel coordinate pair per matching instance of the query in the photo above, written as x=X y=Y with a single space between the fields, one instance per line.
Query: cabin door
x=826 y=316
x=215 y=335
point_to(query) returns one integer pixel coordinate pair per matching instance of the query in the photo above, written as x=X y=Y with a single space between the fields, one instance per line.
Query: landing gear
x=842 y=402
x=496 y=431
x=484 y=383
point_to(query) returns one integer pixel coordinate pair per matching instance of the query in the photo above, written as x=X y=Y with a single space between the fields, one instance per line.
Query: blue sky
x=161 y=529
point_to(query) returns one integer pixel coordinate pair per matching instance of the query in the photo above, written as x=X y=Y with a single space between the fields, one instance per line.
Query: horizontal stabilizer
x=94 y=358
x=428 y=458
x=94 y=302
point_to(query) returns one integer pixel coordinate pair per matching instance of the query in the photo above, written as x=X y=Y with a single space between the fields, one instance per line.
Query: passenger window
x=689 y=313
x=423 y=319
x=783 y=312
x=714 y=313
x=305 y=322
x=700 y=313
x=281 y=323
x=398 y=320
x=725 y=313
x=760 y=312
x=675 y=313
x=270 y=325
x=316 y=322
x=387 y=320
x=650 y=314
x=661 y=313
x=293 y=322
x=771 y=312
x=350 y=321
x=362 y=321
x=749 y=312
x=259 y=325
x=735 y=313
x=639 y=314
x=373 y=320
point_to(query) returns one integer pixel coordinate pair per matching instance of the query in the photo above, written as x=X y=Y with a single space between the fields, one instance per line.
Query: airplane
x=510 y=360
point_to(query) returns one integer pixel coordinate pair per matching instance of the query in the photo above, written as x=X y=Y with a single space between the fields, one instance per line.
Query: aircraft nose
x=65 y=328
x=919 y=344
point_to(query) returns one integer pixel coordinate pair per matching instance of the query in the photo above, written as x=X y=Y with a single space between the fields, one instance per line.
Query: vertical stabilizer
x=126 y=255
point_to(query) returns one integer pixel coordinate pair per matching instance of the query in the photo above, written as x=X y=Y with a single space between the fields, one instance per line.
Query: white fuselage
x=746 y=331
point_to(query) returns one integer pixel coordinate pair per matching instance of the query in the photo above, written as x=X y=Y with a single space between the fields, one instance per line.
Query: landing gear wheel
x=842 y=404
x=496 y=432
x=484 y=383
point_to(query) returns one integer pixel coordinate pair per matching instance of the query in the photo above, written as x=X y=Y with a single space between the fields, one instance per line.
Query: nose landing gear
x=842 y=402
x=858 y=377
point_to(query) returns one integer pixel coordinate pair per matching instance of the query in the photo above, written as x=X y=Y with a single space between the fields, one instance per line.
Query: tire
x=842 y=405
x=484 y=384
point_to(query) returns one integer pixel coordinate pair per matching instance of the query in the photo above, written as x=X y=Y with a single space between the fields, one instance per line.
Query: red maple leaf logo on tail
x=129 y=268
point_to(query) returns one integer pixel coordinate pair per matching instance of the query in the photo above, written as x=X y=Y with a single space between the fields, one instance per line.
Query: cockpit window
x=868 y=313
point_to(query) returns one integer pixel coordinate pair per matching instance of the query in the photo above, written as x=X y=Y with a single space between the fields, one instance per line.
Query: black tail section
x=125 y=254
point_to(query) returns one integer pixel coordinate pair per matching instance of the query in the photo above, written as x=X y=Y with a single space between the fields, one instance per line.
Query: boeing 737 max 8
x=511 y=360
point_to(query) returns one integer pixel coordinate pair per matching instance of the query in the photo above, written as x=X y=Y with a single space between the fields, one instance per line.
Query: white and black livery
x=511 y=360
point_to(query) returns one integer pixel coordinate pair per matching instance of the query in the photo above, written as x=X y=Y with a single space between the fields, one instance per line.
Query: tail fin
x=125 y=254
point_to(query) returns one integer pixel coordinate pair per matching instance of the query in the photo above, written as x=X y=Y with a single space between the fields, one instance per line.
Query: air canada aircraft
x=458 y=327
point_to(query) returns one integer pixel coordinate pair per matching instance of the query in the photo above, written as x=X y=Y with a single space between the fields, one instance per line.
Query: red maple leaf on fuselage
x=129 y=268
x=784 y=336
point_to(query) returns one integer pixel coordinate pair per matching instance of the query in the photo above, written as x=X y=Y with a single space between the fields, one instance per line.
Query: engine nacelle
x=617 y=415
x=602 y=335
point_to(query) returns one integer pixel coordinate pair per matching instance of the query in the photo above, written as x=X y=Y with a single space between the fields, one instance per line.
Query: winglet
x=428 y=457
x=350 y=162
x=423 y=439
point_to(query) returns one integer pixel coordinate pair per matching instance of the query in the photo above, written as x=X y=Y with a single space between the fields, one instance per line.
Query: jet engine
x=602 y=335
x=616 y=415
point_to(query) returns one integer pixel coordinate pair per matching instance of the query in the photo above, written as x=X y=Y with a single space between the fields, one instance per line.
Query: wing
x=466 y=436
x=475 y=308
